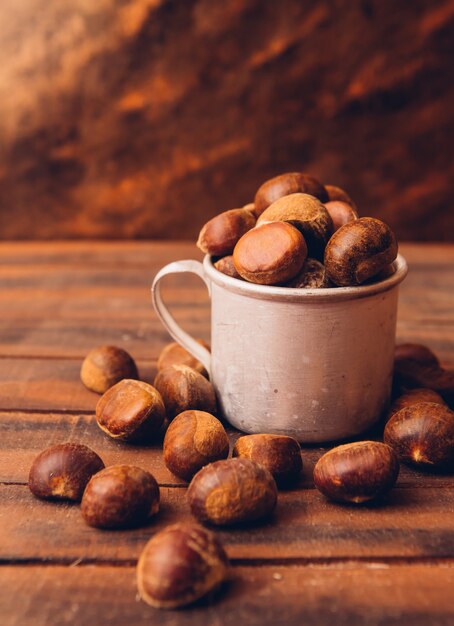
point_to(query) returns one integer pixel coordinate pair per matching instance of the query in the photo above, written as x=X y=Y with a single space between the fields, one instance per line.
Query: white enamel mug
x=314 y=364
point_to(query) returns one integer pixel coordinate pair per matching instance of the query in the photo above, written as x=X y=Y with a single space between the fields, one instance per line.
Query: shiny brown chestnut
x=120 y=496
x=341 y=213
x=194 y=439
x=415 y=396
x=286 y=184
x=356 y=472
x=232 y=492
x=337 y=193
x=131 y=410
x=227 y=267
x=62 y=472
x=219 y=236
x=270 y=254
x=423 y=435
x=308 y=215
x=174 y=354
x=279 y=454
x=359 y=250
x=179 y=565
x=105 y=366
x=183 y=388
x=312 y=276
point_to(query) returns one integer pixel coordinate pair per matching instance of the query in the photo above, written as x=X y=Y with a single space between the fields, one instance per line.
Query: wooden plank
x=24 y=435
x=136 y=252
x=407 y=523
x=365 y=594
x=64 y=308
x=50 y=384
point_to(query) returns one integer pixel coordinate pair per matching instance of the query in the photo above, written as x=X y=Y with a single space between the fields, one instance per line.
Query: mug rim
x=294 y=294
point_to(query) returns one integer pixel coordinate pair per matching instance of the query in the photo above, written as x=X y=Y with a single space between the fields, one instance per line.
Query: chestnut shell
x=179 y=565
x=131 y=410
x=194 y=439
x=279 y=454
x=105 y=366
x=423 y=435
x=232 y=492
x=183 y=388
x=286 y=184
x=120 y=496
x=62 y=472
x=356 y=472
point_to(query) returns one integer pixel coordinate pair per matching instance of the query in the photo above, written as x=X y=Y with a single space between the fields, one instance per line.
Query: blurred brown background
x=143 y=118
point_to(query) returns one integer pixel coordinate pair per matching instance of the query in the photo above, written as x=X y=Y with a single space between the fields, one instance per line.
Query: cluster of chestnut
x=185 y=561
x=302 y=234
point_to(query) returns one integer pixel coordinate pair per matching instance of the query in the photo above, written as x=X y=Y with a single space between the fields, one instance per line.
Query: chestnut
x=270 y=254
x=359 y=250
x=341 y=213
x=62 y=472
x=232 y=492
x=183 y=388
x=174 y=354
x=415 y=352
x=106 y=365
x=356 y=472
x=131 y=410
x=179 y=565
x=337 y=193
x=417 y=366
x=308 y=215
x=194 y=439
x=279 y=454
x=415 y=396
x=120 y=496
x=312 y=276
x=286 y=184
x=219 y=236
x=423 y=435
x=227 y=266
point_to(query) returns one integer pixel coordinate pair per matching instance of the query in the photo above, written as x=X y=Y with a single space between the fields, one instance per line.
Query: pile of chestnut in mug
x=299 y=233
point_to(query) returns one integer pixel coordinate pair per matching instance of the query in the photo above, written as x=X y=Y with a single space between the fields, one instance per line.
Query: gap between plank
x=329 y=562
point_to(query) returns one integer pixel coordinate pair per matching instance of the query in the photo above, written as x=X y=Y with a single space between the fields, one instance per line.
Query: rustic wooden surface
x=314 y=562
x=143 y=118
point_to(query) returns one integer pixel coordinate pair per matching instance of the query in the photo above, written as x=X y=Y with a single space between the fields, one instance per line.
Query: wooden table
x=315 y=563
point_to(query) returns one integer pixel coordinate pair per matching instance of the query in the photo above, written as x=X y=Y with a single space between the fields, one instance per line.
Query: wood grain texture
x=24 y=435
x=407 y=523
x=366 y=595
x=143 y=118
x=312 y=562
x=62 y=301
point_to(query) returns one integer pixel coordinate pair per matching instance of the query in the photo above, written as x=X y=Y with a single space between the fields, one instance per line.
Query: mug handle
x=181 y=336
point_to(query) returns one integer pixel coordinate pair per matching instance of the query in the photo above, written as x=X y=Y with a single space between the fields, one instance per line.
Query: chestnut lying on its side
x=357 y=472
